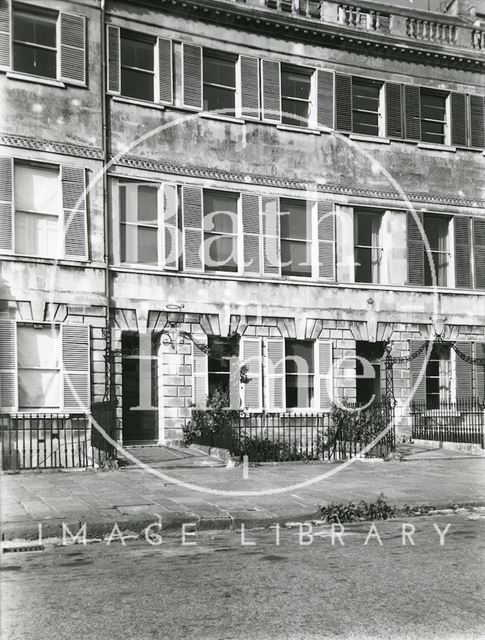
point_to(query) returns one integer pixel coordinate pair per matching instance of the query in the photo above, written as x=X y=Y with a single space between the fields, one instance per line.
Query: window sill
x=289 y=127
x=12 y=257
x=363 y=138
x=138 y=103
x=25 y=77
x=220 y=116
x=436 y=147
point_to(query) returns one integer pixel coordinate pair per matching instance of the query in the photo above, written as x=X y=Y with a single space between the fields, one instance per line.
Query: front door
x=139 y=390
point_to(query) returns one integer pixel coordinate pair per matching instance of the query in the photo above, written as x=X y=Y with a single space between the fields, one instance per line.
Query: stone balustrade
x=431 y=31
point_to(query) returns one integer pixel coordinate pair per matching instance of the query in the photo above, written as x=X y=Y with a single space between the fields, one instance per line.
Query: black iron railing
x=462 y=421
x=283 y=437
x=43 y=441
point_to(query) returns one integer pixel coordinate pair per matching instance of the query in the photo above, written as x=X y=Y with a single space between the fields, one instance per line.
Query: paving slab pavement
x=221 y=497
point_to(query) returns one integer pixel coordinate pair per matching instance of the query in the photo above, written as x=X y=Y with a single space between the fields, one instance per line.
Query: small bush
x=378 y=510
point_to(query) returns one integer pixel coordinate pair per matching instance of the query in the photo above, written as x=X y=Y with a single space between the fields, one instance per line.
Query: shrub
x=378 y=510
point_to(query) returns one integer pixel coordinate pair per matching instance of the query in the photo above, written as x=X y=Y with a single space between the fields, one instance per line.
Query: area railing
x=285 y=437
x=462 y=421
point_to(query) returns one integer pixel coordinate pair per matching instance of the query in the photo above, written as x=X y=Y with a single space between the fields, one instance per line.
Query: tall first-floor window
x=38 y=367
x=295 y=229
x=139 y=223
x=220 y=230
x=368 y=246
x=439 y=376
x=433 y=116
x=37 y=210
x=299 y=373
x=366 y=106
x=219 y=82
x=436 y=229
x=296 y=90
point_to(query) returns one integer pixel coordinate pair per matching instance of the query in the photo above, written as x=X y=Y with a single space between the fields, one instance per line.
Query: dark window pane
x=220 y=253
x=365 y=228
x=432 y=101
x=436 y=230
x=365 y=118
x=366 y=129
x=137 y=84
x=35 y=28
x=38 y=62
x=365 y=103
x=295 y=84
x=294 y=219
x=299 y=356
x=219 y=71
x=369 y=89
x=295 y=258
x=363 y=264
x=218 y=381
x=219 y=99
x=220 y=212
x=136 y=53
x=147 y=204
x=299 y=391
x=294 y=113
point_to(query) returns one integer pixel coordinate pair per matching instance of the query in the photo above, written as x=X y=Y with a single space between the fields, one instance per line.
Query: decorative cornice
x=68 y=149
x=303 y=185
x=329 y=34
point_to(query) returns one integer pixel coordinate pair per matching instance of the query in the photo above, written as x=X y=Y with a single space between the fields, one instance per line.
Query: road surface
x=221 y=589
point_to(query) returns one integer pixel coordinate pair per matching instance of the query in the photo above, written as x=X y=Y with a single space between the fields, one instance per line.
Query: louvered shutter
x=73 y=48
x=275 y=374
x=464 y=371
x=249 y=87
x=8 y=365
x=192 y=76
x=165 y=70
x=193 y=229
x=479 y=252
x=394 y=110
x=75 y=367
x=415 y=247
x=200 y=374
x=271 y=236
x=324 y=374
x=412 y=112
x=6 y=204
x=74 y=208
x=477 y=115
x=417 y=367
x=5 y=35
x=252 y=392
x=271 y=90
x=480 y=371
x=170 y=227
x=458 y=119
x=114 y=59
x=343 y=102
x=325 y=98
x=251 y=219
x=326 y=240
x=463 y=252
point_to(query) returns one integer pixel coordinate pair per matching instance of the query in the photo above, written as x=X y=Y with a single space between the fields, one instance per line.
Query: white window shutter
x=75 y=367
x=74 y=208
x=325 y=98
x=271 y=236
x=114 y=59
x=8 y=365
x=165 y=70
x=251 y=219
x=323 y=374
x=326 y=240
x=275 y=374
x=73 y=48
x=271 y=90
x=193 y=228
x=200 y=374
x=251 y=357
x=248 y=107
x=5 y=34
x=6 y=204
x=191 y=75
x=170 y=227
